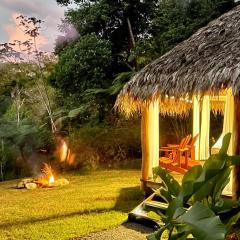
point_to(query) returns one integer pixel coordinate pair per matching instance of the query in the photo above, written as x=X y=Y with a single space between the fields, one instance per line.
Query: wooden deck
x=149 y=185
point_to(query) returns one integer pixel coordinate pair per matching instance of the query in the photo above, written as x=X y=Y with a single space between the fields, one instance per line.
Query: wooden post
x=145 y=145
x=150 y=140
x=236 y=170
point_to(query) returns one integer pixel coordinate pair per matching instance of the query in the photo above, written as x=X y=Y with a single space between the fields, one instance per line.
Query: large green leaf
x=173 y=207
x=157 y=235
x=201 y=187
x=179 y=236
x=220 y=183
x=202 y=223
x=170 y=183
x=225 y=205
x=165 y=194
x=232 y=221
x=75 y=112
x=188 y=182
x=233 y=160
x=192 y=174
x=225 y=144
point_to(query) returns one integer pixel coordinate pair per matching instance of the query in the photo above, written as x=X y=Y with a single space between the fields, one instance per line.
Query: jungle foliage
x=120 y=37
x=104 y=43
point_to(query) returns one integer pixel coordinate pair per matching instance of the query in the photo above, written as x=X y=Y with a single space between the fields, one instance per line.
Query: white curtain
x=229 y=122
x=205 y=127
x=196 y=123
x=229 y=125
x=155 y=132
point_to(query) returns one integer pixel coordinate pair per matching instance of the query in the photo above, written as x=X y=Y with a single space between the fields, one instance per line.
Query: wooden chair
x=173 y=161
x=170 y=147
x=190 y=160
x=177 y=145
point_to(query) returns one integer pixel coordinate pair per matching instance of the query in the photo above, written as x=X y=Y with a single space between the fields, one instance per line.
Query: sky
x=46 y=10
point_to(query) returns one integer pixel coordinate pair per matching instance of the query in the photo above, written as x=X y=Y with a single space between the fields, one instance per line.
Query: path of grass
x=91 y=202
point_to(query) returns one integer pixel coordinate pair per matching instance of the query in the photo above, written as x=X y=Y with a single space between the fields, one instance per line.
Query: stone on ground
x=31 y=186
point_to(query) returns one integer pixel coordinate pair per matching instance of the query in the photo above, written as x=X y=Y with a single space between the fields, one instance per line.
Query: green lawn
x=91 y=202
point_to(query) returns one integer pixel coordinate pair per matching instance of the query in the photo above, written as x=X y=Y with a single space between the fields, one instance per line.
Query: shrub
x=106 y=145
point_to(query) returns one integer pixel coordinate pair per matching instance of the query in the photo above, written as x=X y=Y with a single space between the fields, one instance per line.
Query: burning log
x=46 y=179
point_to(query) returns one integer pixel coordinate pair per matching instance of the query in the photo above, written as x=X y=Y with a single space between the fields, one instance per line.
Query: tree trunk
x=133 y=42
x=131 y=32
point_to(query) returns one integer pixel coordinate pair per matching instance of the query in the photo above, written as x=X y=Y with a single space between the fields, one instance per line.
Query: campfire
x=45 y=180
x=47 y=177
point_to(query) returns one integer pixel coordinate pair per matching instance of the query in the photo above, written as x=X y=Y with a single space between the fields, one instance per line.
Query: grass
x=91 y=202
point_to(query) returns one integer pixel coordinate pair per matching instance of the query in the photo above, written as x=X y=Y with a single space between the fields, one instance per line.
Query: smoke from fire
x=70 y=34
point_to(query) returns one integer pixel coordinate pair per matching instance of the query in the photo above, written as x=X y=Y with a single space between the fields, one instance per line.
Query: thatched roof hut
x=203 y=73
x=208 y=61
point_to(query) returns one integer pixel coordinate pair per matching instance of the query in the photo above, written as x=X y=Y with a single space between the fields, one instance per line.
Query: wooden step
x=155 y=204
x=148 y=205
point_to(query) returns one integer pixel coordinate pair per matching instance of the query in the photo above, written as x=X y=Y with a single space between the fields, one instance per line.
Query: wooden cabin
x=201 y=74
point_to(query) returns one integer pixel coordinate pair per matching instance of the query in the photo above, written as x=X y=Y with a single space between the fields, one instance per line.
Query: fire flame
x=51 y=180
x=47 y=178
x=63 y=152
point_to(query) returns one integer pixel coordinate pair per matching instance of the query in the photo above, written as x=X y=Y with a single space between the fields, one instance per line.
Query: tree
x=123 y=23
x=27 y=98
x=82 y=66
x=142 y=29
x=118 y=23
x=138 y=31
x=176 y=20
x=18 y=52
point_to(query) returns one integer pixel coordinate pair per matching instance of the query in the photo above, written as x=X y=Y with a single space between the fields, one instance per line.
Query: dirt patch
x=126 y=231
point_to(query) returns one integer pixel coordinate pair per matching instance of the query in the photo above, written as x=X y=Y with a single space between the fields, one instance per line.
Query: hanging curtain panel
x=205 y=128
x=196 y=123
x=155 y=133
x=229 y=122
x=229 y=125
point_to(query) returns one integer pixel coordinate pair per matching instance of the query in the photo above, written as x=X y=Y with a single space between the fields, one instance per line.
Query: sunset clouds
x=14 y=32
x=46 y=10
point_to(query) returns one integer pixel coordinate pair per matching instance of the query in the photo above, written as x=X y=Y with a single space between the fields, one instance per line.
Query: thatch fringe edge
x=129 y=105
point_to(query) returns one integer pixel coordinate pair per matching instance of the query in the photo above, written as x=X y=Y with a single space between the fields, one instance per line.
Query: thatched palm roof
x=206 y=62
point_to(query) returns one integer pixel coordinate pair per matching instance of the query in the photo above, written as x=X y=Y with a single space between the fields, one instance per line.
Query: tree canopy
x=83 y=65
x=115 y=36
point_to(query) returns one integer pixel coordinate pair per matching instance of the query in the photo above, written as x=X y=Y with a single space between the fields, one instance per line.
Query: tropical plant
x=82 y=66
x=196 y=208
x=117 y=84
x=62 y=116
x=17 y=133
